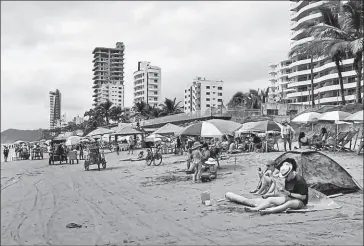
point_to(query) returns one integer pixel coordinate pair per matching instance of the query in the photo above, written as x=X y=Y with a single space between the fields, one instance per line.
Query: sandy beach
x=130 y=203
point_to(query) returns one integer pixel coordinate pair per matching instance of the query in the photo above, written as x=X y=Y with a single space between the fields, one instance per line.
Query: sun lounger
x=330 y=145
x=348 y=138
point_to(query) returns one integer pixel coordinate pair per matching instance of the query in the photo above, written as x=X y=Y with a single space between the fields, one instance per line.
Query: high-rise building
x=109 y=75
x=278 y=82
x=325 y=74
x=203 y=95
x=147 y=84
x=54 y=108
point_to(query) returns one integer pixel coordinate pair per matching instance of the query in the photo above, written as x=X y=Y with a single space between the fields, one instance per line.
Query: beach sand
x=130 y=203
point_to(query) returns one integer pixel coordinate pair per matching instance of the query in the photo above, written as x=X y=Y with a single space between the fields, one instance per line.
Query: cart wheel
x=157 y=159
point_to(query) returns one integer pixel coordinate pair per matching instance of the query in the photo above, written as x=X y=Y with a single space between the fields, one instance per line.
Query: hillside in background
x=12 y=135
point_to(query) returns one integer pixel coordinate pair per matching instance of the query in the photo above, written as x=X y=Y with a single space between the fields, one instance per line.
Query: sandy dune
x=131 y=203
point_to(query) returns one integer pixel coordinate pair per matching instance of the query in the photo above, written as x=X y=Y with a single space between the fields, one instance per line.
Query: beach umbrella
x=19 y=142
x=358 y=116
x=168 y=129
x=261 y=126
x=225 y=126
x=203 y=129
x=153 y=138
x=308 y=117
x=99 y=131
x=334 y=116
x=73 y=140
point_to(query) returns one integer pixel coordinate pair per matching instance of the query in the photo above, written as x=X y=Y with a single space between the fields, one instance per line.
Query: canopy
x=73 y=140
x=203 y=129
x=225 y=126
x=261 y=126
x=168 y=129
x=358 y=116
x=153 y=138
x=99 y=131
x=307 y=117
x=334 y=116
x=127 y=130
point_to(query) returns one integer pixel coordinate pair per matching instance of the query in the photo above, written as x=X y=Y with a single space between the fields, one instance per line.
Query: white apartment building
x=326 y=79
x=54 y=108
x=78 y=120
x=203 y=95
x=109 y=75
x=148 y=84
x=278 y=87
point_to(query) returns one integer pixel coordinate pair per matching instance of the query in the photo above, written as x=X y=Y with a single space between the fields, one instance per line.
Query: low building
x=203 y=95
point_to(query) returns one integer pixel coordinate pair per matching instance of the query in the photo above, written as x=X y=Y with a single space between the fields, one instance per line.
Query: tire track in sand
x=15 y=232
x=91 y=206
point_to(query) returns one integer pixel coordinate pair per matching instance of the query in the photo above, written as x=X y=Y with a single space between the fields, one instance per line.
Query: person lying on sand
x=266 y=179
x=293 y=196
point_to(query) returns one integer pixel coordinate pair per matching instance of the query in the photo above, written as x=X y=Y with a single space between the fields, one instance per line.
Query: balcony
x=299 y=73
x=306 y=10
x=297 y=25
x=299 y=94
x=329 y=64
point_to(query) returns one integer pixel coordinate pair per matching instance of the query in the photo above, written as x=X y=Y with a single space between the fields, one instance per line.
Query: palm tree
x=141 y=107
x=105 y=110
x=116 y=113
x=155 y=112
x=341 y=33
x=170 y=107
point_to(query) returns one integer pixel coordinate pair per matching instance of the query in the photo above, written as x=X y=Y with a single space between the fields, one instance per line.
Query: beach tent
x=321 y=172
x=168 y=129
x=127 y=130
x=203 y=129
x=153 y=138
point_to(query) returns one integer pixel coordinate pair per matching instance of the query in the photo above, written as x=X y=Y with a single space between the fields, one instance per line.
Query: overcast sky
x=48 y=45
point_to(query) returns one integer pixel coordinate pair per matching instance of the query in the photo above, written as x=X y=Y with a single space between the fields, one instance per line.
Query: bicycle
x=156 y=157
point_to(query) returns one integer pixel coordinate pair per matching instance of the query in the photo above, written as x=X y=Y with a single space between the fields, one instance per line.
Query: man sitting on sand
x=293 y=196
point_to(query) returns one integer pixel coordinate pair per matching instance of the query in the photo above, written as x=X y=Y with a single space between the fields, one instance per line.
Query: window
x=219 y=100
x=208 y=99
x=207 y=87
x=213 y=87
x=120 y=88
x=207 y=93
x=213 y=92
x=219 y=88
x=208 y=105
x=156 y=80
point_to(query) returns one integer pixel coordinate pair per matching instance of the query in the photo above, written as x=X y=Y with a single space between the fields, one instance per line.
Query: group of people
x=280 y=189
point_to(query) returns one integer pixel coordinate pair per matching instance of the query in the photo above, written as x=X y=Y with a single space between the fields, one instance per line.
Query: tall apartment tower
x=278 y=87
x=147 y=84
x=54 y=108
x=325 y=75
x=109 y=75
x=203 y=95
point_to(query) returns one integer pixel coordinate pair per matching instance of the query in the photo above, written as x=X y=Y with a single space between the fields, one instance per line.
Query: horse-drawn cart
x=95 y=157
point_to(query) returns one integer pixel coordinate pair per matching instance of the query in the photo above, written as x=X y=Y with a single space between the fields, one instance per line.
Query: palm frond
x=356 y=45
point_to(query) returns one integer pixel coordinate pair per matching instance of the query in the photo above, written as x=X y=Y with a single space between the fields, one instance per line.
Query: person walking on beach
x=131 y=145
x=196 y=162
x=287 y=134
x=6 y=153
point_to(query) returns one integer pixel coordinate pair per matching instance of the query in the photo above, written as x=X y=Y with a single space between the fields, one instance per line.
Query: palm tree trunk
x=358 y=67
x=337 y=63
x=312 y=89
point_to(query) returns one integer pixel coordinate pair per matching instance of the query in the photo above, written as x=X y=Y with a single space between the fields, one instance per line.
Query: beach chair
x=348 y=139
x=330 y=145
